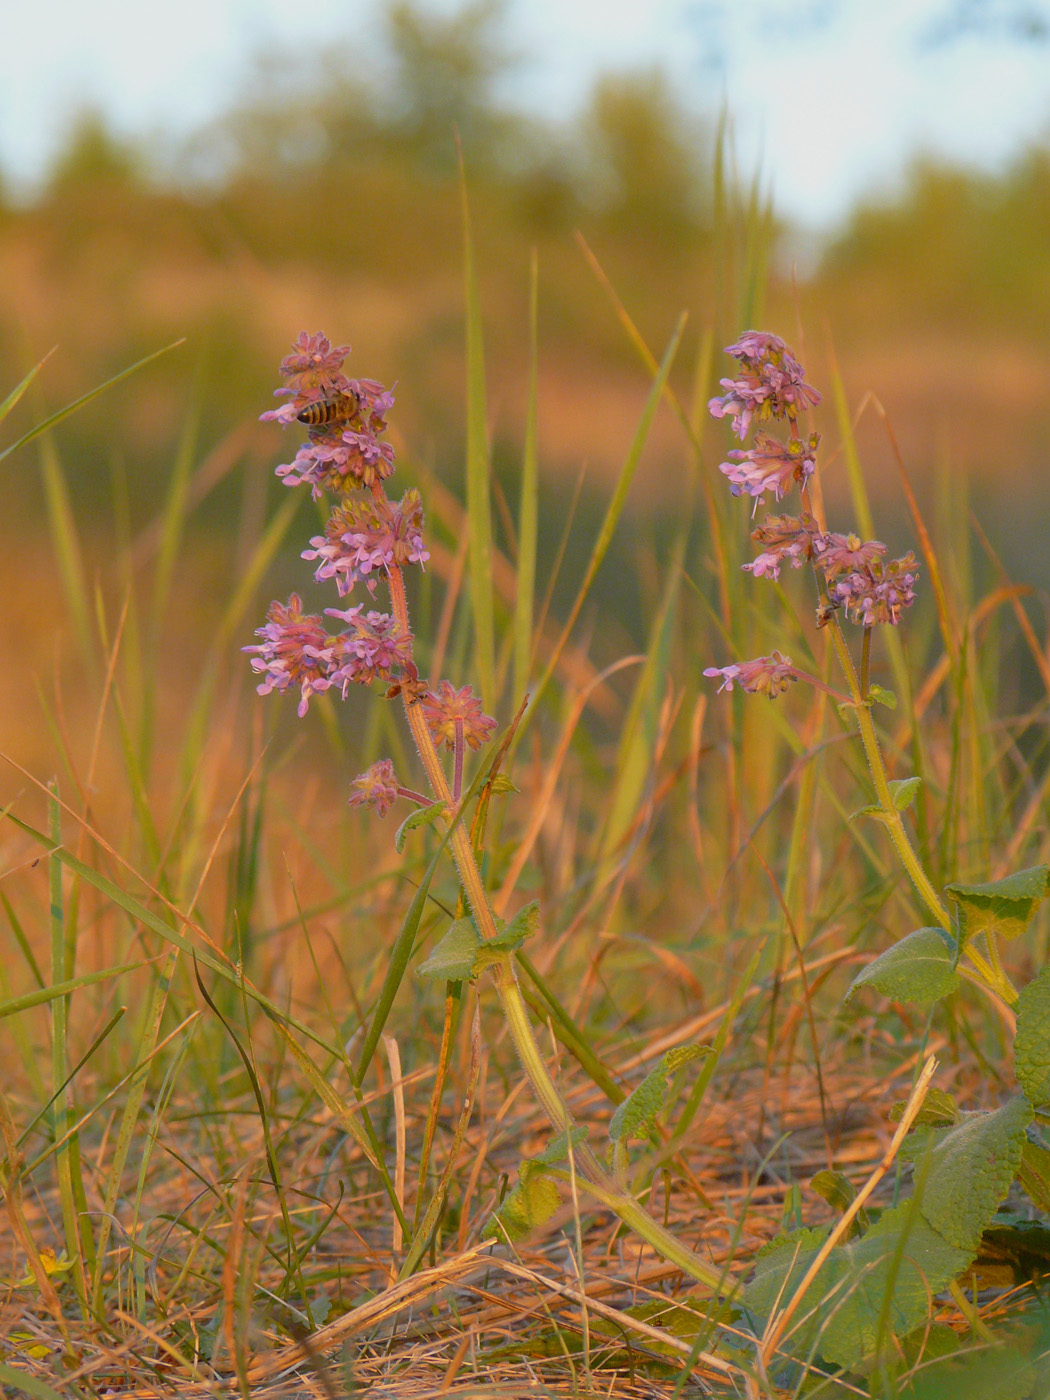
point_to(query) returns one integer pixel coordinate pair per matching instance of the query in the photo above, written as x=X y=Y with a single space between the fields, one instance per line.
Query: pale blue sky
x=834 y=96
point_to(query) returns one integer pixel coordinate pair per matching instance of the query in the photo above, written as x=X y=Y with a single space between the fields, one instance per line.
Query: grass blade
x=16 y=393
x=528 y=511
x=71 y=408
x=479 y=509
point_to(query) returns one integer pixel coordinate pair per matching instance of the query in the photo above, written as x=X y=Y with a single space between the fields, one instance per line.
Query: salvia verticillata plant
x=846 y=1295
x=849 y=1303
x=368 y=542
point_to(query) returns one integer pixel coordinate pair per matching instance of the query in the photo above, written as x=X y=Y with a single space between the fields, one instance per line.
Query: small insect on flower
x=827 y=610
x=333 y=410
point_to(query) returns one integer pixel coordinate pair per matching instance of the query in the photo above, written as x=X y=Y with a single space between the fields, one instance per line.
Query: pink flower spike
x=314 y=355
x=839 y=554
x=770 y=383
x=767 y=675
x=771 y=465
x=295 y=650
x=364 y=535
x=879 y=593
x=372 y=648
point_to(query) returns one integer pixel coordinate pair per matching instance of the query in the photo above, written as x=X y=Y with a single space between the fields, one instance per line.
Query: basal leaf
x=1034 y=1173
x=637 y=1114
x=1032 y=1042
x=452 y=960
x=532 y=1202
x=844 y=1307
x=1002 y=906
x=918 y=968
x=839 y=1192
x=939 y=1110
x=971 y=1168
x=1014 y=1368
x=557 y=1150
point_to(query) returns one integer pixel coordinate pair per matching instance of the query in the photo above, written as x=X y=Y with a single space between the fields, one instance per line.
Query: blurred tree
x=445 y=73
x=396 y=94
x=93 y=155
x=957 y=248
x=643 y=157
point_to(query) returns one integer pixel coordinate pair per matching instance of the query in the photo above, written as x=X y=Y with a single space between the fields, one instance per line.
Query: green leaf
x=839 y=1192
x=636 y=1116
x=1002 y=906
x=939 y=1110
x=462 y=954
x=881 y=696
x=1013 y=1368
x=557 y=1150
x=893 y=1269
x=971 y=1168
x=873 y=810
x=523 y=925
x=903 y=791
x=422 y=816
x=452 y=960
x=501 y=783
x=1034 y=1173
x=919 y=968
x=530 y=1205
x=1032 y=1042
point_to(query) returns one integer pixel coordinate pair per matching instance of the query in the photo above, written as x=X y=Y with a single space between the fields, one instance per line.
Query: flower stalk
x=368 y=538
x=852 y=575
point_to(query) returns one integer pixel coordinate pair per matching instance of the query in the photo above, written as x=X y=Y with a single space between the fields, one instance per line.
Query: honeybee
x=827 y=610
x=333 y=410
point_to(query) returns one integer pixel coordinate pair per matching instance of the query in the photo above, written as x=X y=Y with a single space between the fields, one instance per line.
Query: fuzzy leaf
x=1034 y=1173
x=939 y=1110
x=903 y=791
x=530 y=1205
x=422 y=816
x=842 y=1311
x=839 y=1192
x=918 y=968
x=452 y=960
x=873 y=810
x=972 y=1166
x=501 y=783
x=510 y=937
x=882 y=696
x=636 y=1116
x=1032 y=1042
x=1004 y=906
x=557 y=1150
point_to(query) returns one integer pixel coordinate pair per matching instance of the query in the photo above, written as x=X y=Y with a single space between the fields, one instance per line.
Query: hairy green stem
x=890 y=814
x=597 y=1179
x=990 y=969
